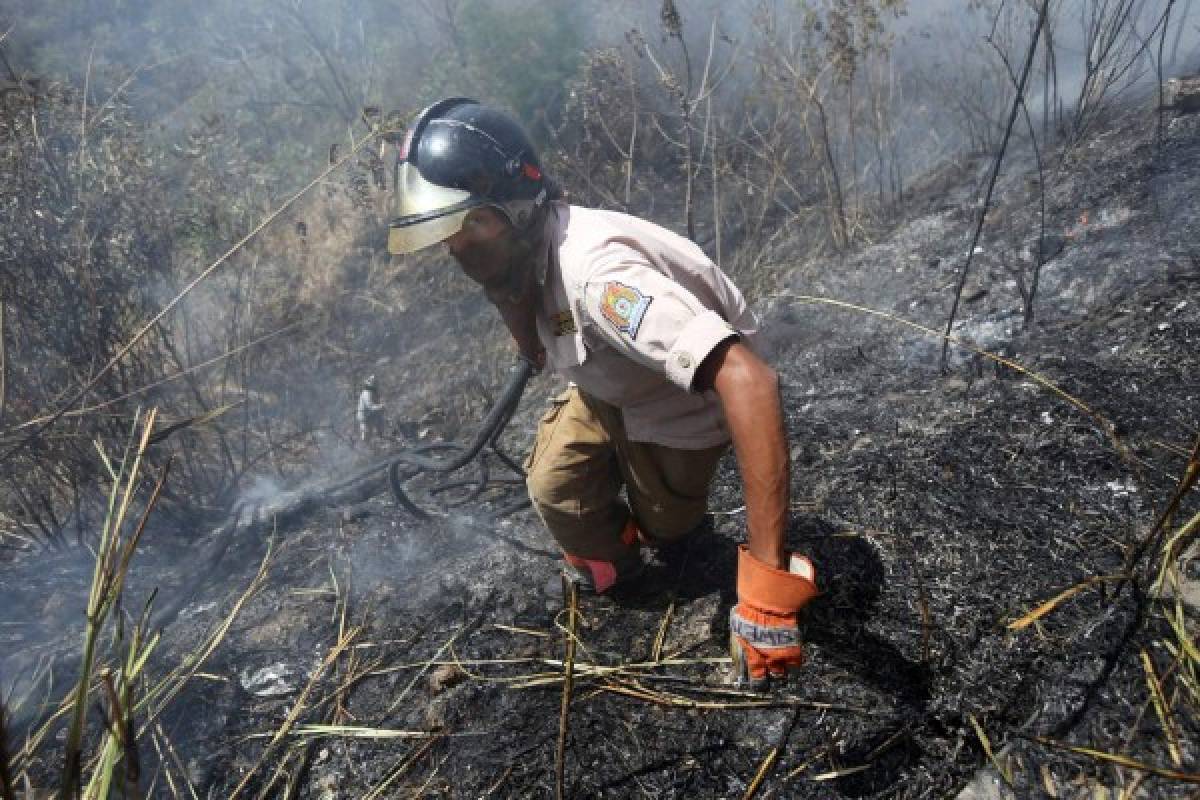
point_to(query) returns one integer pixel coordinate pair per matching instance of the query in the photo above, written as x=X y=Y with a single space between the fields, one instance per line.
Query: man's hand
x=763 y=639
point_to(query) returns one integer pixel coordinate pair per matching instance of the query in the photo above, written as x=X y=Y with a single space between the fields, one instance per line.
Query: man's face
x=484 y=247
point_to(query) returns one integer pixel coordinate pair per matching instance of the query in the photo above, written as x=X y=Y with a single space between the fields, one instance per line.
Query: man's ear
x=488 y=222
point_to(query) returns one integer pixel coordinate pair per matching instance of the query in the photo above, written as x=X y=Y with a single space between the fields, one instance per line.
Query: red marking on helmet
x=531 y=172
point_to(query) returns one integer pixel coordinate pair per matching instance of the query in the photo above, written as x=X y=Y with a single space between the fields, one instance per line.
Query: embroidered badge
x=563 y=323
x=624 y=307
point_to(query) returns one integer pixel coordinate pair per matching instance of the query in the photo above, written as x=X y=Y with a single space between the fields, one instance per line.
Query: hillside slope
x=938 y=506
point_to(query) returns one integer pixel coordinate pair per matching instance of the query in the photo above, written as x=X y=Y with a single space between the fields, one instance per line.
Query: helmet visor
x=424 y=213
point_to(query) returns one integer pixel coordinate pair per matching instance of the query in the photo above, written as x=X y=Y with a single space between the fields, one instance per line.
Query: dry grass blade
x=1163 y=709
x=298 y=707
x=1105 y=425
x=524 y=631
x=571 y=592
x=421 y=671
x=1054 y=602
x=768 y=763
x=764 y=770
x=161 y=737
x=400 y=769
x=660 y=640
x=360 y=732
x=6 y=785
x=1176 y=545
x=199 y=419
x=1186 y=483
x=840 y=773
x=428 y=781
x=156 y=699
x=629 y=689
x=1002 y=768
x=1124 y=761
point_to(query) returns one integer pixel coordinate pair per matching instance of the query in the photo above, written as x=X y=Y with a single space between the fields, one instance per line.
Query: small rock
x=986 y=785
x=445 y=677
x=270 y=681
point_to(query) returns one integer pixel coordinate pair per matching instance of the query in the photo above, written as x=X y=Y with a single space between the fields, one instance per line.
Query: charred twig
x=571 y=592
x=1101 y=421
x=1186 y=483
x=1029 y=295
x=987 y=200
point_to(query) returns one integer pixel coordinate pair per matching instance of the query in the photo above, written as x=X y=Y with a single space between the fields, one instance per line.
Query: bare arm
x=749 y=391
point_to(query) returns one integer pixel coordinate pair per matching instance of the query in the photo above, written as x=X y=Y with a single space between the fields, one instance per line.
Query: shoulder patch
x=624 y=307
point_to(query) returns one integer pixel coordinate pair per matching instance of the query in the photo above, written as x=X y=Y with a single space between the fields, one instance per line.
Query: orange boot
x=596 y=576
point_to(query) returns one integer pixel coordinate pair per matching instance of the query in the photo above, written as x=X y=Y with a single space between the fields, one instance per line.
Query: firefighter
x=369 y=412
x=657 y=345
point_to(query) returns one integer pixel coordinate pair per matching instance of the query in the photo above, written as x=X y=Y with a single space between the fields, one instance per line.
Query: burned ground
x=938 y=506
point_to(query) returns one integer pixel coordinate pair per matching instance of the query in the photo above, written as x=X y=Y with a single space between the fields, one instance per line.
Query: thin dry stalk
x=571 y=592
x=112 y=561
x=1002 y=767
x=428 y=781
x=163 y=742
x=1163 y=709
x=298 y=707
x=495 y=787
x=1054 y=602
x=399 y=771
x=661 y=639
x=768 y=763
x=125 y=349
x=6 y=785
x=1187 y=482
x=421 y=671
x=678 y=701
x=1121 y=760
x=160 y=696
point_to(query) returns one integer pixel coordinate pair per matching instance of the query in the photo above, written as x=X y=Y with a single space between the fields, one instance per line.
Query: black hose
x=245 y=513
x=495 y=421
x=488 y=434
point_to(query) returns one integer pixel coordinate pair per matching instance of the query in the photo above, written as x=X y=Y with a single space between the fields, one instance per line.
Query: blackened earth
x=938 y=505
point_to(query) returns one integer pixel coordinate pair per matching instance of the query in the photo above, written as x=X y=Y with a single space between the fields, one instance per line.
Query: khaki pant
x=581 y=459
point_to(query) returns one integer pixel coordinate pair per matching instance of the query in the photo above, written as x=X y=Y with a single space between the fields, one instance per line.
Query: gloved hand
x=763 y=639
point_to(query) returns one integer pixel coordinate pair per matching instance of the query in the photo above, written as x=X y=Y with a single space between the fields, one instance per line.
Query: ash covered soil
x=938 y=506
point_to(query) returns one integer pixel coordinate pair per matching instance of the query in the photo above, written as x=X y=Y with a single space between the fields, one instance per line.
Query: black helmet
x=459 y=155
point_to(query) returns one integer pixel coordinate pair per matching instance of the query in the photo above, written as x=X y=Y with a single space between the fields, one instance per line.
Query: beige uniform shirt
x=628 y=311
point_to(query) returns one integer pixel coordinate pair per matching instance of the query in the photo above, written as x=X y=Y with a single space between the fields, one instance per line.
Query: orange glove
x=763 y=639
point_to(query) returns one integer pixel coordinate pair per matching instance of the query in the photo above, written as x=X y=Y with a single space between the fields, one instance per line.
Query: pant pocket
x=546 y=425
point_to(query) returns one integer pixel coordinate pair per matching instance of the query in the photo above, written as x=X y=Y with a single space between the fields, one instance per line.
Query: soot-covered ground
x=938 y=506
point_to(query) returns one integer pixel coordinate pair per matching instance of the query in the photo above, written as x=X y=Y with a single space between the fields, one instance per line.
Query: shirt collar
x=541 y=264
